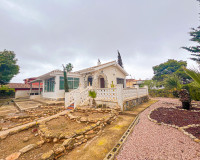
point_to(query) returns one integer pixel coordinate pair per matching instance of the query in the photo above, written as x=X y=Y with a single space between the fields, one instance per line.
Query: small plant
x=112 y=85
x=93 y=95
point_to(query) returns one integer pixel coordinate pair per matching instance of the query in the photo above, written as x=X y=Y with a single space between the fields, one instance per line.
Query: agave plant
x=93 y=95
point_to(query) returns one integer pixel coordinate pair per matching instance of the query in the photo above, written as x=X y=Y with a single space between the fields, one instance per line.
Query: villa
x=108 y=80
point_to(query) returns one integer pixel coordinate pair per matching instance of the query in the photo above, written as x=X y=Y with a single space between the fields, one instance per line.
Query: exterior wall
x=111 y=73
x=23 y=93
x=57 y=94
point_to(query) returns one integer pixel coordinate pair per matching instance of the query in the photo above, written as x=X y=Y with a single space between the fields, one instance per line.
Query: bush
x=6 y=92
x=194 y=91
x=161 y=93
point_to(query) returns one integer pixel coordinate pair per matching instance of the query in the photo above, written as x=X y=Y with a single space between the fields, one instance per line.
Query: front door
x=102 y=83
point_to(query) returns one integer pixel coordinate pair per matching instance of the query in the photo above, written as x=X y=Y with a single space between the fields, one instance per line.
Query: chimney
x=99 y=62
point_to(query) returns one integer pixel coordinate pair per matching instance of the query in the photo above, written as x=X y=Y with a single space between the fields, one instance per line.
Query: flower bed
x=187 y=121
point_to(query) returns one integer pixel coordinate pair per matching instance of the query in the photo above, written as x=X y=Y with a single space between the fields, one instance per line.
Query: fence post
x=147 y=90
x=120 y=96
x=66 y=99
x=137 y=87
x=77 y=98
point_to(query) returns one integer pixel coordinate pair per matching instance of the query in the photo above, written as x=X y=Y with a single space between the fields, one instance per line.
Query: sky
x=46 y=34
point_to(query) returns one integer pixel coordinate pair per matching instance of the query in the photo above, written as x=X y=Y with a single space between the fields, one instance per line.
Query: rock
x=90 y=132
x=3 y=136
x=48 y=155
x=58 y=148
x=34 y=130
x=26 y=139
x=197 y=140
x=89 y=136
x=80 y=137
x=27 y=148
x=83 y=119
x=40 y=143
x=13 y=156
x=55 y=140
x=0 y=128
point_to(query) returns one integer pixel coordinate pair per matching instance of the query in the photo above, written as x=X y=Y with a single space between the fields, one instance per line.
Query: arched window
x=90 y=80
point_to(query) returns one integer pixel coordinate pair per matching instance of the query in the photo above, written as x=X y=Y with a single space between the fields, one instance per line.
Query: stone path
x=152 y=141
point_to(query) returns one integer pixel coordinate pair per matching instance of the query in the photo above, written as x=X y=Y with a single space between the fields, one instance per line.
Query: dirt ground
x=98 y=147
x=15 y=142
x=90 y=114
x=62 y=124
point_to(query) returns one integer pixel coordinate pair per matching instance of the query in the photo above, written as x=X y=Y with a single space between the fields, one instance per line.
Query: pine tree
x=120 y=60
x=195 y=50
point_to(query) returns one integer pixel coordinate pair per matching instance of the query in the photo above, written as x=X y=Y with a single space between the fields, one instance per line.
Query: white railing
x=118 y=94
x=106 y=94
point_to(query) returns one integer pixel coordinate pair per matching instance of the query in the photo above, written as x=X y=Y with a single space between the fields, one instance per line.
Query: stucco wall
x=112 y=73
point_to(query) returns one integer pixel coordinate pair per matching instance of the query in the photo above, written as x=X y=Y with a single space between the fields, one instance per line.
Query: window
x=120 y=81
x=49 y=85
x=73 y=83
x=90 y=81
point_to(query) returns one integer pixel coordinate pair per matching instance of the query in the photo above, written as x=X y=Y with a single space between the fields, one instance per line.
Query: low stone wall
x=130 y=103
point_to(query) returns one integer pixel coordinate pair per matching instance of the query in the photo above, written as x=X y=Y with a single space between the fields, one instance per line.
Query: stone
x=80 y=137
x=90 y=132
x=89 y=136
x=197 y=140
x=69 y=143
x=27 y=148
x=3 y=136
x=58 y=148
x=55 y=140
x=48 y=155
x=40 y=143
x=26 y=139
x=83 y=119
x=13 y=156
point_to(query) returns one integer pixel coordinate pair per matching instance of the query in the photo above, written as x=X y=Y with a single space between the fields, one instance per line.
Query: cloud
x=47 y=34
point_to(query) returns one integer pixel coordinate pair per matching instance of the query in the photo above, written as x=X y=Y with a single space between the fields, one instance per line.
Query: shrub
x=194 y=91
x=161 y=93
x=6 y=92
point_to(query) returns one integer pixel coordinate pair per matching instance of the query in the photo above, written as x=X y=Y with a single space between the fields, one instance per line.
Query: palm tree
x=194 y=74
x=173 y=82
x=93 y=95
x=67 y=68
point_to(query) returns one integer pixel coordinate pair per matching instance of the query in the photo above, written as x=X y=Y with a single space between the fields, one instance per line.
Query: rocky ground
x=151 y=141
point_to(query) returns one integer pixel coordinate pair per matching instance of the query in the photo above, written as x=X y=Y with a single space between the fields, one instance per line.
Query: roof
x=133 y=80
x=22 y=85
x=104 y=65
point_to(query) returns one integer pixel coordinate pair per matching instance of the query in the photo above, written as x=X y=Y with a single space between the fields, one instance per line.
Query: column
x=39 y=89
x=120 y=98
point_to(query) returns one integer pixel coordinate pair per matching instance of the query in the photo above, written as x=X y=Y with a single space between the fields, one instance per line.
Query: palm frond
x=194 y=74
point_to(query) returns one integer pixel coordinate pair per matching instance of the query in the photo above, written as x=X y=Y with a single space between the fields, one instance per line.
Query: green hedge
x=194 y=92
x=6 y=92
x=160 y=93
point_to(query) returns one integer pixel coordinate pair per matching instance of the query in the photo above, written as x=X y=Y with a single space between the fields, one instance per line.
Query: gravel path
x=150 y=141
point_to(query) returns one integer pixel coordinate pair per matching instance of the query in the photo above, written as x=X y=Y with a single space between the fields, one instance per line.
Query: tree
x=120 y=60
x=173 y=82
x=8 y=66
x=172 y=66
x=195 y=75
x=195 y=50
x=67 y=68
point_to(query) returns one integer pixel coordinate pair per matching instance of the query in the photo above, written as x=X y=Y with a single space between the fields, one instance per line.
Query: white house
x=100 y=76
